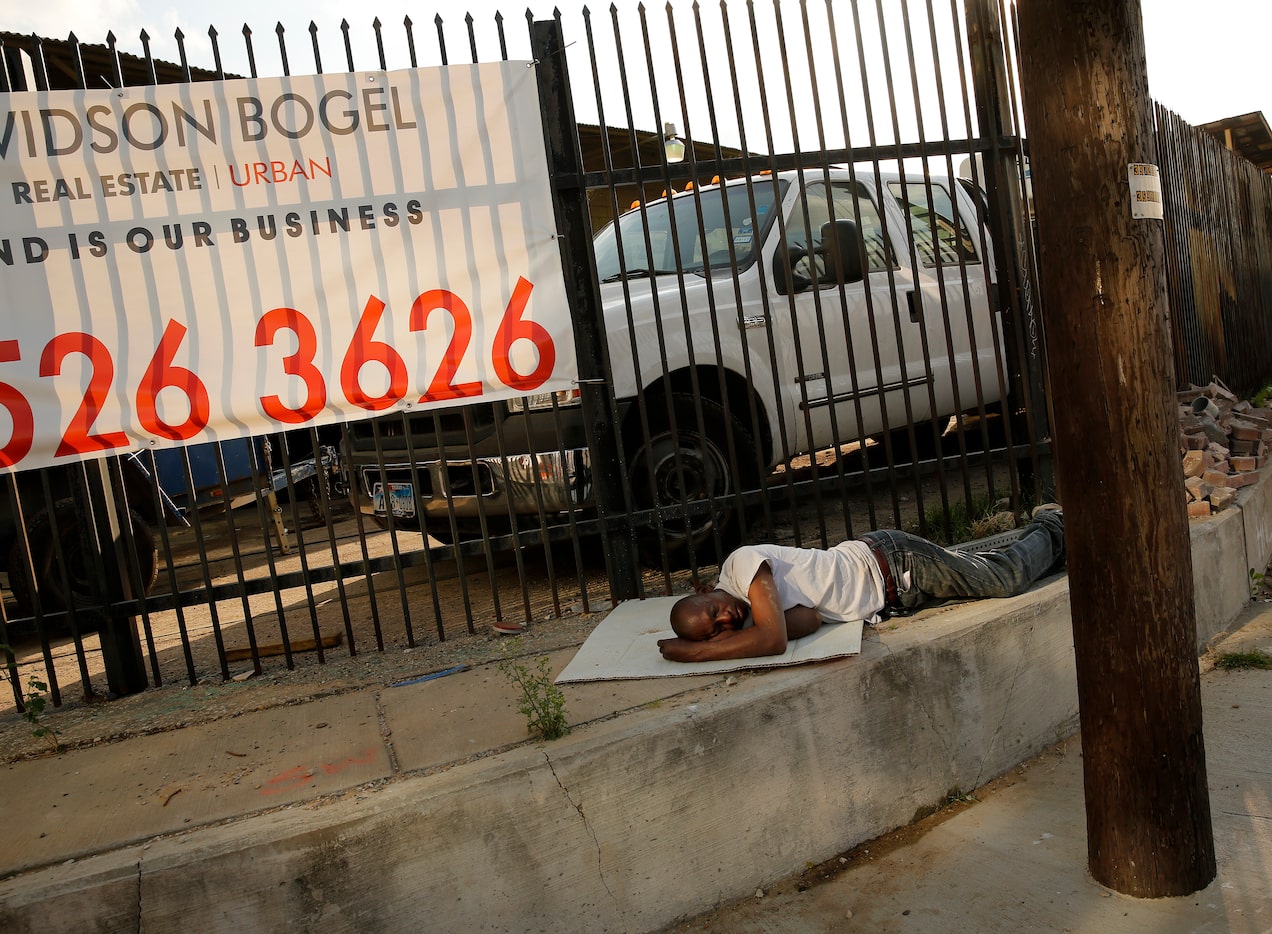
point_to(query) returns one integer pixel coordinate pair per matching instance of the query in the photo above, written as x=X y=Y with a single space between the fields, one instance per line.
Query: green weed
x=965 y=522
x=1256 y=583
x=33 y=704
x=541 y=701
x=1237 y=661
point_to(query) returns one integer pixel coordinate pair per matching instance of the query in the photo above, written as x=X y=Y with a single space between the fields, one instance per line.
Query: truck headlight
x=543 y=400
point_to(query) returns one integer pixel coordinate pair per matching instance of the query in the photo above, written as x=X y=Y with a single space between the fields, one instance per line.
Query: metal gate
x=811 y=316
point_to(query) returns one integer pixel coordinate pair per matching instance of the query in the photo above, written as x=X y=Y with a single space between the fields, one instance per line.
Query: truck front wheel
x=76 y=587
x=687 y=471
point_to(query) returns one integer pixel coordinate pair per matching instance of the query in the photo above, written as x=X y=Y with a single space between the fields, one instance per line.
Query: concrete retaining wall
x=633 y=822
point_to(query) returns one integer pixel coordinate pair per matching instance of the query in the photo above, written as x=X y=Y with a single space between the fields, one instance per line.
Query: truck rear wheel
x=77 y=587
x=689 y=465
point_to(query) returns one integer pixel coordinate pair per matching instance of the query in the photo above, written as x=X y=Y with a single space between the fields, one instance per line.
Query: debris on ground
x=1224 y=442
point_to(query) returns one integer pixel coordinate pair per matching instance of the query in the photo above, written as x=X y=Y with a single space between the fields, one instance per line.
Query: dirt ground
x=387 y=628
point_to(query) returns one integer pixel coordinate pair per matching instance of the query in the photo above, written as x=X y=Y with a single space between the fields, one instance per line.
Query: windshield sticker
x=741 y=239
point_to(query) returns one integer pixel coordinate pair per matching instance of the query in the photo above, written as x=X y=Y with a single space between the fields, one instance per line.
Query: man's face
x=709 y=614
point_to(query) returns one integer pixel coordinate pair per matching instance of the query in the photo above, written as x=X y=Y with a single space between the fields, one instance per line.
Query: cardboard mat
x=625 y=646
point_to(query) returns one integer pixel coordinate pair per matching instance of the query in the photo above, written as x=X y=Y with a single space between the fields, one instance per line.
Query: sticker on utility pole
x=1146 y=190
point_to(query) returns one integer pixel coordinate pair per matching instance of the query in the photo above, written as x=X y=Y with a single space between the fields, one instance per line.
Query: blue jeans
x=937 y=573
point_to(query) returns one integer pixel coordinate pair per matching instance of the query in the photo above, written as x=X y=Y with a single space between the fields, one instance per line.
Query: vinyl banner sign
x=207 y=261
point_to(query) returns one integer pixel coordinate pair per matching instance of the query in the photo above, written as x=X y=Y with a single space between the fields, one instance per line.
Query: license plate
x=401 y=497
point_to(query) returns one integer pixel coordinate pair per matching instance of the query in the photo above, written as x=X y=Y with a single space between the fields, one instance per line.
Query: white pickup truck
x=794 y=311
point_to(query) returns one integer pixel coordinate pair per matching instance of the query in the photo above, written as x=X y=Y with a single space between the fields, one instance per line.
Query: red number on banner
x=19 y=412
x=513 y=328
x=363 y=350
x=301 y=364
x=162 y=374
x=443 y=385
x=79 y=437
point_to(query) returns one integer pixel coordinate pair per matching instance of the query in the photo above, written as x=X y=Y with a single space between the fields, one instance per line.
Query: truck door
x=849 y=340
x=950 y=301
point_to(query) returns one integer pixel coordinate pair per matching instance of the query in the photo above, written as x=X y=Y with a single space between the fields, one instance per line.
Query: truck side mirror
x=843 y=248
x=785 y=279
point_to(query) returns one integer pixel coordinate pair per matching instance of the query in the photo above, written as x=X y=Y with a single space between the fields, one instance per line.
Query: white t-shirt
x=843 y=582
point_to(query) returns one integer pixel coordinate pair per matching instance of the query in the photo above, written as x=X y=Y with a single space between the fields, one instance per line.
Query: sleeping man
x=768 y=594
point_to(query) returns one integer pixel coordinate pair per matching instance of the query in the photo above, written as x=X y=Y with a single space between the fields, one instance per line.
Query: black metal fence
x=819 y=321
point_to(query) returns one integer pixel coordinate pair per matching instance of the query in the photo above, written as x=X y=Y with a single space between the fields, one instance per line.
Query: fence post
x=569 y=199
x=103 y=543
x=1008 y=225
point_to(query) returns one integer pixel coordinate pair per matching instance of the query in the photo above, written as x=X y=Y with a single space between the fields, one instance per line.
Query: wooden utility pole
x=1089 y=116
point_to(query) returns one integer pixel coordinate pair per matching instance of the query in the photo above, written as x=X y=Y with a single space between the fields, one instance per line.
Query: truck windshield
x=691 y=249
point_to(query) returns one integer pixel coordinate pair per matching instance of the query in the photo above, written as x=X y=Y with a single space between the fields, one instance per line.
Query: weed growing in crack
x=1256 y=583
x=541 y=701
x=33 y=704
x=1238 y=661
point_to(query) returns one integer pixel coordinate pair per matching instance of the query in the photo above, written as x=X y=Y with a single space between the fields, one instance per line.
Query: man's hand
x=678 y=650
x=686 y=650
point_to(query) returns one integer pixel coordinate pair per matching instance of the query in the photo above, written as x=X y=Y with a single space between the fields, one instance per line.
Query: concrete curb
x=637 y=820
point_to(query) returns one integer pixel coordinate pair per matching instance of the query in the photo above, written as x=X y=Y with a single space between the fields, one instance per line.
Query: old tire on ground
x=49 y=580
x=691 y=464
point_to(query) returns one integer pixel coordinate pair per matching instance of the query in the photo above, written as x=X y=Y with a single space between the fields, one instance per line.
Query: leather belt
x=889 y=582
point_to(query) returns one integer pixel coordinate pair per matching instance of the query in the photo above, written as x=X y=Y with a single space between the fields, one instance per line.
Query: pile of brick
x=1224 y=441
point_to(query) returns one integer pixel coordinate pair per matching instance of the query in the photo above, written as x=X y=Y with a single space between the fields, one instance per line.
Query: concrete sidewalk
x=103 y=797
x=1014 y=859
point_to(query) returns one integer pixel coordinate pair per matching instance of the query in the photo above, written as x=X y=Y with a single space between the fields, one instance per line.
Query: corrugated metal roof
x=1247 y=135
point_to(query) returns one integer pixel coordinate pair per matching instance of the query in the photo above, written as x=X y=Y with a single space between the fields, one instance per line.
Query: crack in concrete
x=386 y=734
x=600 y=866
x=919 y=702
x=1002 y=717
x=138 y=896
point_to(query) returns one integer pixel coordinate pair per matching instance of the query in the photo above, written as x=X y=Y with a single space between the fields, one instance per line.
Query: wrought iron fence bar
x=348 y=45
x=216 y=52
x=611 y=402
x=840 y=293
x=441 y=38
x=313 y=42
x=990 y=285
x=807 y=232
x=934 y=429
x=281 y=32
x=298 y=532
x=1023 y=267
x=738 y=466
x=379 y=43
x=251 y=51
x=236 y=552
x=759 y=465
x=694 y=388
x=409 y=26
x=391 y=523
x=964 y=275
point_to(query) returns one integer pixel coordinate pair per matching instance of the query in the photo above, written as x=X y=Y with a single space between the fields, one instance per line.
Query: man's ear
x=702 y=588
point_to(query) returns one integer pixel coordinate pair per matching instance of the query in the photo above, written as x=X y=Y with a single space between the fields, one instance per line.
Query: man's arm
x=767 y=635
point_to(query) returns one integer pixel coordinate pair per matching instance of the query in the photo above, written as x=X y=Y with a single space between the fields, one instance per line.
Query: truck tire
x=48 y=579
x=690 y=465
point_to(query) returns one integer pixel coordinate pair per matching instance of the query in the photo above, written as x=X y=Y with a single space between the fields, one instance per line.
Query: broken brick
x=1222 y=499
x=1237 y=480
x=1215 y=478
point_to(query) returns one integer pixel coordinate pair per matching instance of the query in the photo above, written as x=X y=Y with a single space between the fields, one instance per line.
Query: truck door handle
x=916 y=306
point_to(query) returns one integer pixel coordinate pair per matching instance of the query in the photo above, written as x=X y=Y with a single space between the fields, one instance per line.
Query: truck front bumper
x=520 y=484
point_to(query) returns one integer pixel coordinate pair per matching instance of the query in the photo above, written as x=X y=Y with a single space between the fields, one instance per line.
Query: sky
x=1203 y=67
